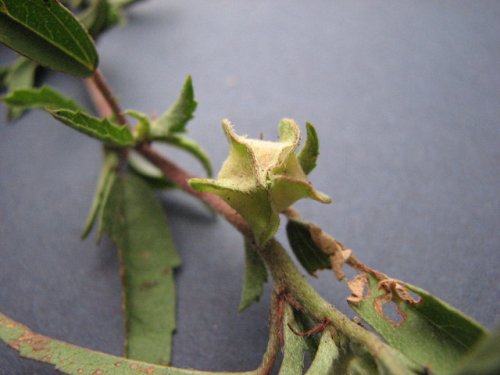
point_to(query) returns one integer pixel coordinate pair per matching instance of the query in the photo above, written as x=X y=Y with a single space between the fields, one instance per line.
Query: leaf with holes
x=419 y=325
x=136 y=222
x=46 y=32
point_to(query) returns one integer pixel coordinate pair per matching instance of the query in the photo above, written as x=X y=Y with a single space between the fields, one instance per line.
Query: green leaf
x=20 y=74
x=135 y=221
x=42 y=98
x=49 y=34
x=255 y=277
x=309 y=153
x=294 y=346
x=71 y=359
x=4 y=71
x=483 y=359
x=325 y=357
x=174 y=120
x=102 y=129
x=97 y=17
x=148 y=172
x=191 y=147
x=424 y=328
x=101 y=195
x=304 y=248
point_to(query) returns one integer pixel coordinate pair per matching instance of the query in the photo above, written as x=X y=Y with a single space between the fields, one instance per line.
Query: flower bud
x=260 y=179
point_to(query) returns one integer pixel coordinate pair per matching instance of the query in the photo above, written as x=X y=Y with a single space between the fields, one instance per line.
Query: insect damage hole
x=390 y=311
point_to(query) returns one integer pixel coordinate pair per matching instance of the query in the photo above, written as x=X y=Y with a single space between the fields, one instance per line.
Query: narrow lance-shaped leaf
x=255 y=277
x=193 y=148
x=135 y=221
x=424 y=328
x=75 y=360
x=41 y=98
x=294 y=346
x=325 y=357
x=310 y=152
x=174 y=120
x=21 y=74
x=144 y=129
x=101 y=195
x=102 y=129
x=46 y=32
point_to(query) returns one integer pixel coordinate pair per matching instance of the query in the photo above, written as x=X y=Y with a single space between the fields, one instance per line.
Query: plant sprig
x=259 y=180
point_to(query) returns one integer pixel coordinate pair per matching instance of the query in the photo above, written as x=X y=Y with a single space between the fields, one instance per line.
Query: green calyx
x=260 y=179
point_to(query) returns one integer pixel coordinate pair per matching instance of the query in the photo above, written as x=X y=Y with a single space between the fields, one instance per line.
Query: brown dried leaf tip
x=339 y=254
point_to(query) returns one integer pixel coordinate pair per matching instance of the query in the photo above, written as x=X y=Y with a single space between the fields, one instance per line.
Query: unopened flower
x=260 y=178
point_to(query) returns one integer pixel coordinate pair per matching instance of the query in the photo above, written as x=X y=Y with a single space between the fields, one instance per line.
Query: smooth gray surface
x=406 y=99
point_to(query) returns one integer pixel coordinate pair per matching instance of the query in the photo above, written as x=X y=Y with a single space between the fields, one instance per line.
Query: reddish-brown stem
x=181 y=177
x=103 y=94
x=106 y=105
x=318 y=328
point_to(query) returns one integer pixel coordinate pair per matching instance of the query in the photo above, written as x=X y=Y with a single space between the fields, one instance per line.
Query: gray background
x=405 y=96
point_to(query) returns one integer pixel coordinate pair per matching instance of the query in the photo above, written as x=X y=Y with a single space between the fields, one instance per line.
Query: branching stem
x=286 y=277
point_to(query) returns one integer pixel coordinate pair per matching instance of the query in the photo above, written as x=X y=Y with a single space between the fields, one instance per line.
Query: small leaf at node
x=304 y=248
x=255 y=277
x=326 y=355
x=310 y=152
x=46 y=32
x=174 y=120
x=191 y=147
x=102 y=193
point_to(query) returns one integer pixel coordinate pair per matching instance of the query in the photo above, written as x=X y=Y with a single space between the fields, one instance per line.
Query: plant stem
x=106 y=94
x=286 y=276
x=180 y=177
x=284 y=273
